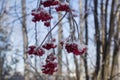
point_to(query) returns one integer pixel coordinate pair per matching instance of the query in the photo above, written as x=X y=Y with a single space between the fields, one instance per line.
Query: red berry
x=61 y=43
x=47 y=24
x=31 y=50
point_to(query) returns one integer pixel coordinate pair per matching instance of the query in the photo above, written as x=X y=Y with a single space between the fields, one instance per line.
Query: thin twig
x=75 y=23
x=51 y=30
x=118 y=74
x=41 y=78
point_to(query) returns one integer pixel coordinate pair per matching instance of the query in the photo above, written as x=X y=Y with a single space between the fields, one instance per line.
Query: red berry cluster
x=41 y=14
x=49 y=3
x=33 y=51
x=49 y=45
x=62 y=7
x=73 y=48
x=51 y=66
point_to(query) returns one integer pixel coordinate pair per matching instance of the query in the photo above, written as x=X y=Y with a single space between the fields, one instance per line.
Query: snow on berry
x=49 y=45
x=39 y=52
x=50 y=57
x=53 y=40
x=62 y=7
x=75 y=48
x=40 y=15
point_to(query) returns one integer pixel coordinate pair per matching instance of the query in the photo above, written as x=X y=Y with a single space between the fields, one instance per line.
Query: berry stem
x=51 y=30
x=74 y=22
x=36 y=41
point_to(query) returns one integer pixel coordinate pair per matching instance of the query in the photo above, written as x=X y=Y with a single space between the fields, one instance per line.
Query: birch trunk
x=25 y=38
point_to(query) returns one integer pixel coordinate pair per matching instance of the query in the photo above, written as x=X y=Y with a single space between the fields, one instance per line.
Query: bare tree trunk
x=25 y=38
x=119 y=44
x=115 y=61
x=105 y=39
x=1 y=67
x=97 y=39
x=76 y=68
x=3 y=17
x=1 y=59
x=106 y=57
x=86 y=41
x=102 y=19
x=59 y=73
x=68 y=69
x=82 y=29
